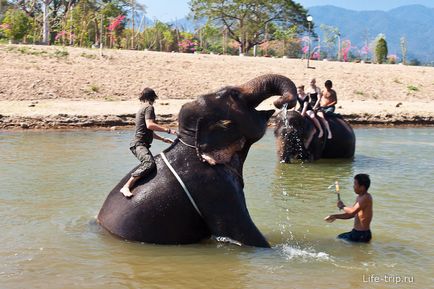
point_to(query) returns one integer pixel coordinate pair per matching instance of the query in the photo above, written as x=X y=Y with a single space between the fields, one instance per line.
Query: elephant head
x=292 y=132
x=296 y=138
x=225 y=122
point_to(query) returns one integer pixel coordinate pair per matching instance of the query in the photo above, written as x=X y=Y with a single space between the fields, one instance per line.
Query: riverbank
x=60 y=114
x=52 y=87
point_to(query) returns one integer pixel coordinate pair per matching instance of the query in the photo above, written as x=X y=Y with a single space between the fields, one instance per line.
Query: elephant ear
x=266 y=114
x=217 y=140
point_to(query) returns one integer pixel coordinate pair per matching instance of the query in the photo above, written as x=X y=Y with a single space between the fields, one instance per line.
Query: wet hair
x=301 y=87
x=328 y=83
x=363 y=180
x=148 y=94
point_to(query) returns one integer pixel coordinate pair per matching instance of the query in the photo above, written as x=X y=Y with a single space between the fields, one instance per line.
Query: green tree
x=16 y=24
x=211 y=39
x=381 y=49
x=160 y=37
x=250 y=22
x=286 y=37
x=330 y=36
x=4 y=5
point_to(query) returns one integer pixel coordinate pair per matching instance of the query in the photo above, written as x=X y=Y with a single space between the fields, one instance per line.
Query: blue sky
x=167 y=10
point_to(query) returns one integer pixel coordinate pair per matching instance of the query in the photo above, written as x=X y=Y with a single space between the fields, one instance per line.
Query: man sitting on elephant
x=327 y=102
x=328 y=99
x=145 y=127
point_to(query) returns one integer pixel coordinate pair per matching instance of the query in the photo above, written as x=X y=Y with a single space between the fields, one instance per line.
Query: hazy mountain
x=415 y=22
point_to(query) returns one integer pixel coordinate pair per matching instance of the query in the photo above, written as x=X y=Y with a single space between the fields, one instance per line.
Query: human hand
x=340 y=205
x=330 y=218
x=167 y=140
x=171 y=131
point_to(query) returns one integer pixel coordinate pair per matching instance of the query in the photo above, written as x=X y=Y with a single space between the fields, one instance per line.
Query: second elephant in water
x=293 y=133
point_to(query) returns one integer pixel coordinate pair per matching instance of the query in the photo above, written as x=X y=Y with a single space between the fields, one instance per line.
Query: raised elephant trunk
x=258 y=89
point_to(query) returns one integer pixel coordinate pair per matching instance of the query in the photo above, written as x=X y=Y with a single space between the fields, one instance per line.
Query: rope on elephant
x=183 y=142
x=163 y=156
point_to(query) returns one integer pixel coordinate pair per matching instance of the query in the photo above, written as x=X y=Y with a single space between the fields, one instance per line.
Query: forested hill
x=415 y=22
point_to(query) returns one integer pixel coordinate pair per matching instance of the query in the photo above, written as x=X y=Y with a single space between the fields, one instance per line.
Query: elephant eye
x=224 y=124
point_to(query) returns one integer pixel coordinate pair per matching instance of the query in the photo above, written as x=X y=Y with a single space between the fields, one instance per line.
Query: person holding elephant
x=143 y=137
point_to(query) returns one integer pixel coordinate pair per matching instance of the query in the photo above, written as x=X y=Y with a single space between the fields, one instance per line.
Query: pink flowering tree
x=316 y=53
x=114 y=28
x=187 y=43
x=116 y=22
x=346 y=47
x=305 y=42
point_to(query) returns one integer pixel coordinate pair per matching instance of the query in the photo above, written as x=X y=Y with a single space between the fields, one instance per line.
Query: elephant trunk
x=258 y=89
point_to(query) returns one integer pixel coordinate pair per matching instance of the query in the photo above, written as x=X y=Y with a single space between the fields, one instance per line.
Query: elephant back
x=152 y=215
x=343 y=143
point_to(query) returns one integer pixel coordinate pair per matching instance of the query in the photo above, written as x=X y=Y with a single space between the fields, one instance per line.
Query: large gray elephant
x=197 y=189
x=293 y=132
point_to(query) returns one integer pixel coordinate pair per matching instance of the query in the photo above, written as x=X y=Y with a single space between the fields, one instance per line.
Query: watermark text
x=387 y=278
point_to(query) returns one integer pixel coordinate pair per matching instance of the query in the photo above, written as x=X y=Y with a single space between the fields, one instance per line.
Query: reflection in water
x=54 y=183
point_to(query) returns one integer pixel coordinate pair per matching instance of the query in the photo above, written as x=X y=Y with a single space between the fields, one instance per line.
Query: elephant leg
x=236 y=224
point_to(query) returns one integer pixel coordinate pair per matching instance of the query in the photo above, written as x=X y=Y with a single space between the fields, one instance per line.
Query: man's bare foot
x=329 y=136
x=321 y=133
x=126 y=192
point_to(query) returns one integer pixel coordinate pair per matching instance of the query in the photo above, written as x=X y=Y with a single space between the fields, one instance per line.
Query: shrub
x=412 y=88
x=381 y=50
x=61 y=53
x=16 y=24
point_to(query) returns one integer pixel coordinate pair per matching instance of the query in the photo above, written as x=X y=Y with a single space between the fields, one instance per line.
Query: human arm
x=359 y=205
x=303 y=111
x=349 y=212
x=150 y=124
x=343 y=216
x=318 y=101
x=164 y=139
x=333 y=99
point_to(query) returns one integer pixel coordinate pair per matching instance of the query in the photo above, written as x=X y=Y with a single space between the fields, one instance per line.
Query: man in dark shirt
x=139 y=146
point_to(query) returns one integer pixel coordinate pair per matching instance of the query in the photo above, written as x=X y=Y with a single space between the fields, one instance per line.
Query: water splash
x=285 y=115
x=303 y=254
x=226 y=240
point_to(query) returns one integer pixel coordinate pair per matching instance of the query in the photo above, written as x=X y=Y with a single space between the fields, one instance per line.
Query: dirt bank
x=54 y=87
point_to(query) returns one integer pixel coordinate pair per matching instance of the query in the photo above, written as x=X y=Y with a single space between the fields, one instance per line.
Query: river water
x=54 y=183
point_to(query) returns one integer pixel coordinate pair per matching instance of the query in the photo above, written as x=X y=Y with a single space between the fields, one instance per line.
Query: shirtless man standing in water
x=361 y=212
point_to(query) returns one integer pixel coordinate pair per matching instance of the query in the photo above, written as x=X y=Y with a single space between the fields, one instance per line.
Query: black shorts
x=356 y=236
x=327 y=109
